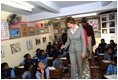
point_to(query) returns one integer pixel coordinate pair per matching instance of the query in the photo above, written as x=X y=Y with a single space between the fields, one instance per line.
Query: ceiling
x=63 y=4
x=39 y=9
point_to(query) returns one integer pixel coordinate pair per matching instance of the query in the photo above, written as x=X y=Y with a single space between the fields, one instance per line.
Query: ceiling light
x=84 y=15
x=18 y=4
x=57 y=18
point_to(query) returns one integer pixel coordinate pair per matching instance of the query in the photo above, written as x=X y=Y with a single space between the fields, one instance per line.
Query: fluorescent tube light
x=57 y=18
x=84 y=15
x=18 y=4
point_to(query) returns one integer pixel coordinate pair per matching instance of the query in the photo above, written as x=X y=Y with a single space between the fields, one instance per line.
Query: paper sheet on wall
x=4 y=30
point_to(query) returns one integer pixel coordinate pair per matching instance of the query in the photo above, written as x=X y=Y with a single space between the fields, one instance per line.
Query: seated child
x=49 y=46
x=37 y=53
x=109 y=54
x=62 y=52
x=103 y=44
x=51 y=52
x=57 y=63
x=112 y=44
x=115 y=50
x=29 y=72
x=42 y=71
x=27 y=59
x=6 y=72
x=43 y=57
x=112 y=68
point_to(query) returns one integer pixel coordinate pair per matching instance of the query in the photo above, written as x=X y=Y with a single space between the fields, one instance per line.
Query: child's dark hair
x=37 y=49
x=26 y=55
x=109 y=48
x=41 y=51
x=3 y=65
x=114 y=59
x=27 y=66
x=103 y=40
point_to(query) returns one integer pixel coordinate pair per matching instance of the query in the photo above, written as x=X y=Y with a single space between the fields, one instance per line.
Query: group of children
x=38 y=69
x=110 y=53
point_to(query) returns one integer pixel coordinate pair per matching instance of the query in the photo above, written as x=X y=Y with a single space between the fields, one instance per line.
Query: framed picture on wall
x=44 y=39
x=94 y=24
x=15 y=33
x=112 y=30
x=46 y=30
x=37 y=40
x=31 y=30
x=104 y=25
x=50 y=38
x=24 y=30
x=104 y=18
x=29 y=44
x=42 y=30
x=15 y=47
x=104 y=31
x=2 y=52
x=37 y=29
x=112 y=24
x=111 y=16
x=56 y=24
x=62 y=24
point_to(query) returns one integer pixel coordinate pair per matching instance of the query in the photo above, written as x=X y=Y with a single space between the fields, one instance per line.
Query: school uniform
x=28 y=75
x=37 y=55
x=46 y=73
x=10 y=73
x=115 y=50
x=57 y=64
x=43 y=59
x=104 y=45
x=62 y=53
x=99 y=51
x=108 y=57
x=32 y=61
x=112 y=69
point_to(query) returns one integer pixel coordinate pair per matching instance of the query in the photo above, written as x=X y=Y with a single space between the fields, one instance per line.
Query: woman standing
x=77 y=48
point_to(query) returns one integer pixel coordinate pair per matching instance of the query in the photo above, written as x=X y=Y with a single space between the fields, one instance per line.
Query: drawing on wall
x=42 y=30
x=37 y=40
x=50 y=38
x=62 y=24
x=2 y=52
x=94 y=24
x=104 y=18
x=37 y=29
x=4 y=30
x=111 y=16
x=24 y=30
x=15 y=48
x=112 y=30
x=46 y=30
x=104 y=24
x=15 y=33
x=31 y=30
x=44 y=39
x=56 y=24
x=104 y=31
x=29 y=45
x=55 y=31
x=112 y=24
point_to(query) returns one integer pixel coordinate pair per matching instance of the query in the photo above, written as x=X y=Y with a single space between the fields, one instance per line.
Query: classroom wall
x=15 y=59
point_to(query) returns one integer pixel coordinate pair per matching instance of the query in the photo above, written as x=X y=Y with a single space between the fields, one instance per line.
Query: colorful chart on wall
x=37 y=29
x=42 y=30
x=31 y=31
x=29 y=44
x=62 y=24
x=94 y=24
x=46 y=30
x=4 y=30
x=37 y=40
x=14 y=33
x=15 y=47
x=56 y=24
x=2 y=52
x=24 y=30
